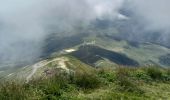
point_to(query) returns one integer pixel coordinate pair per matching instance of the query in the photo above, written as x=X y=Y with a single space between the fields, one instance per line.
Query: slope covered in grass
x=120 y=83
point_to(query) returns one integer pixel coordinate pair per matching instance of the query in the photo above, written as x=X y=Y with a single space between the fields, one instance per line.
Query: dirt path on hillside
x=35 y=67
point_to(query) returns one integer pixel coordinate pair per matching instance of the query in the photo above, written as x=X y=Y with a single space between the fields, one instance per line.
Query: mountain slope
x=98 y=50
x=144 y=83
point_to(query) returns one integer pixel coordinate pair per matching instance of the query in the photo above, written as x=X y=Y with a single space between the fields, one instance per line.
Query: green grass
x=105 y=83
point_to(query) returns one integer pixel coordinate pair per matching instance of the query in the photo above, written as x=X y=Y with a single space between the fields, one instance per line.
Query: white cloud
x=25 y=23
x=154 y=13
x=106 y=8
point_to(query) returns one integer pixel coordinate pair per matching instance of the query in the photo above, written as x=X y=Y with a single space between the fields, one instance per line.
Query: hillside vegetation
x=106 y=83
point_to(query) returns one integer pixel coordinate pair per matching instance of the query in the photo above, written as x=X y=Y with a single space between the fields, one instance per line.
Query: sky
x=24 y=24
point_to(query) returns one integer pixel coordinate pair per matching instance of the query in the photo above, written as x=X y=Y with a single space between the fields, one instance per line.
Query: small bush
x=125 y=83
x=122 y=72
x=108 y=75
x=154 y=73
x=168 y=72
x=13 y=91
x=166 y=78
x=128 y=85
x=141 y=75
x=52 y=88
x=86 y=81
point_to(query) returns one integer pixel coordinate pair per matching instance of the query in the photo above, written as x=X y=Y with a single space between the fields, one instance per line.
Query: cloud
x=154 y=13
x=154 y=17
x=106 y=9
x=25 y=24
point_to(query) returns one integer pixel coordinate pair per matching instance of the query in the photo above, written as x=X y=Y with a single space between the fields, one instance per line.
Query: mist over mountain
x=84 y=50
x=149 y=20
x=26 y=25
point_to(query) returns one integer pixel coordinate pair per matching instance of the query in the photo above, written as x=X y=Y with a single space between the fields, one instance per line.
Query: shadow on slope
x=91 y=54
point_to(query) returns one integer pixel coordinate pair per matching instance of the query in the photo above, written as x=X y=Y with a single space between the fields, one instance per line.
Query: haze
x=25 y=24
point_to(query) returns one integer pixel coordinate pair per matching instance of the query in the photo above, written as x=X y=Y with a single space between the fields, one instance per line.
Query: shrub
x=141 y=75
x=125 y=83
x=166 y=78
x=121 y=72
x=168 y=72
x=128 y=85
x=52 y=88
x=13 y=91
x=108 y=75
x=154 y=73
x=87 y=81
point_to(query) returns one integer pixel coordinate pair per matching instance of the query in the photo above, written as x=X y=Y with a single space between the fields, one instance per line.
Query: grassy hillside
x=143 y=53
x=111 y=51
x=70 y=76
x=86 y=83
